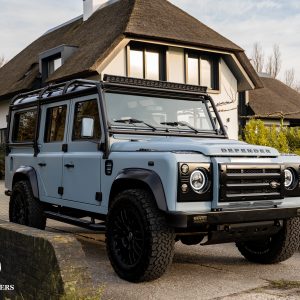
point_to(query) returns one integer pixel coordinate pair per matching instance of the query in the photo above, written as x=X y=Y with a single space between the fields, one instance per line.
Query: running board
x=75 y=221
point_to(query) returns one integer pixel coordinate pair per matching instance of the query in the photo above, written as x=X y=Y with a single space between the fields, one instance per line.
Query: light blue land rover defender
x=149 y=163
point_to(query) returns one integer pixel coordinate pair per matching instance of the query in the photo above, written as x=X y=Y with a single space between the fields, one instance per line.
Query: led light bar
x=154 y=84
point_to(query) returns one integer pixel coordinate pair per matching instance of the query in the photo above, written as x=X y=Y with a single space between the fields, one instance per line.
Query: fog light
x=184 y=169
x=184 y=188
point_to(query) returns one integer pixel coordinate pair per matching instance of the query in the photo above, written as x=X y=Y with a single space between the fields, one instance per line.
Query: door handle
x=69 y=166
x=42 y=164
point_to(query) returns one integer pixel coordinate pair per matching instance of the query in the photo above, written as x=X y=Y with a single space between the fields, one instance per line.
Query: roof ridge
x=130 y=15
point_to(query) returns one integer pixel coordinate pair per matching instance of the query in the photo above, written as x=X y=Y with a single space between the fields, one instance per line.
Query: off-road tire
x=275 y=249
x=24 y=209
x=143 y=227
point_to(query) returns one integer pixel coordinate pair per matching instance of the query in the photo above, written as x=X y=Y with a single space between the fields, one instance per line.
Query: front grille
x=250 y=182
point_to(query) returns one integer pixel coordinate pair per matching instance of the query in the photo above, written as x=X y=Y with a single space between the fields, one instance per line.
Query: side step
x=75 y=221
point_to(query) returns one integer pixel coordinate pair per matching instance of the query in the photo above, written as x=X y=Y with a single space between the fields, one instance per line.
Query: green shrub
x=285 y=140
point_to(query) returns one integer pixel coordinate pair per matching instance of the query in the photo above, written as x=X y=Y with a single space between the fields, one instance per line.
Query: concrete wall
x=42 y=265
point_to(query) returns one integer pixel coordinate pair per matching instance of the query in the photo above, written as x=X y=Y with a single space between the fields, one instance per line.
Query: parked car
x=149 y=163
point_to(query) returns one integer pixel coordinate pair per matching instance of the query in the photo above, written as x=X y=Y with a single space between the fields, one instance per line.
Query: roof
x=99 y=35
x=275 y=100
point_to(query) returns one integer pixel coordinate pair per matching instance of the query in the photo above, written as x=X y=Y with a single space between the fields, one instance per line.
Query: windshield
x=157 y=113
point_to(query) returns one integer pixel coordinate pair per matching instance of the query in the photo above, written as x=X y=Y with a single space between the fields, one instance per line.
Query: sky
x=242 y=21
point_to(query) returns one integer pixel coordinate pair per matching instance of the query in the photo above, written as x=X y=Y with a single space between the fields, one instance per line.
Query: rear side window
x=55 y=124
x=24 y=126
x=86 y=109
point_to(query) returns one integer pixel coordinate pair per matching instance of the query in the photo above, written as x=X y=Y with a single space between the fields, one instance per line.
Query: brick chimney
x=90 y=6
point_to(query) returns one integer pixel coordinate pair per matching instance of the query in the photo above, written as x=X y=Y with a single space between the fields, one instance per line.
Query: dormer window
x=54 y=64
x=53 y=59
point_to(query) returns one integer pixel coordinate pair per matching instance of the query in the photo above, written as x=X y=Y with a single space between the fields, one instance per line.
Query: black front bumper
x=194 y=220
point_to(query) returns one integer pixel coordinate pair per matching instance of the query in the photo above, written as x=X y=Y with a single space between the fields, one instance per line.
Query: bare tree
x=2 y=61
x=289 y=77
x=258 y=57
x=274 y=62
x=277 y=60
x=269 y=65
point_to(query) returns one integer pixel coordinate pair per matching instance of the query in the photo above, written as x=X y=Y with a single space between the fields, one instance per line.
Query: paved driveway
x=211 y=272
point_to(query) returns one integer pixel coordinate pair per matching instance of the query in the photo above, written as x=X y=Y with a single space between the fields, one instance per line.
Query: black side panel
x=150 y=178
x=30 y=174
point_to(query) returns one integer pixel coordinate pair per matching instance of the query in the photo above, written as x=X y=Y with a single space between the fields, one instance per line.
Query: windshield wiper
x=177 y=124
x=134 y=121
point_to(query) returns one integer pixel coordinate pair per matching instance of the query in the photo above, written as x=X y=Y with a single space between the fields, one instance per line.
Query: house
x=274 y=103
x=150 y=39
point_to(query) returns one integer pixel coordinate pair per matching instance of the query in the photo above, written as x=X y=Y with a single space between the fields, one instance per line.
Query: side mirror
x=87 y=127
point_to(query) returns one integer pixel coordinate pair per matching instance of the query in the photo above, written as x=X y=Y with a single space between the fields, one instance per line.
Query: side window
x=24 y=126
x=55 y=124
x=86 y=109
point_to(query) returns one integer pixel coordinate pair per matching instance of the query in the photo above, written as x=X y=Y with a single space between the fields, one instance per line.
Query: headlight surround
x=289 y=178
x=199 y=181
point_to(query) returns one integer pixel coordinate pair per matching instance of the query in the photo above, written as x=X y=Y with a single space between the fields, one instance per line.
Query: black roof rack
x=129 y=81
x=60 y=88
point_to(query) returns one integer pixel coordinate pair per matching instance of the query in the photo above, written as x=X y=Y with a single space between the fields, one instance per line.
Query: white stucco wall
x=118 y=65
x=226 y=98
x=3 y=113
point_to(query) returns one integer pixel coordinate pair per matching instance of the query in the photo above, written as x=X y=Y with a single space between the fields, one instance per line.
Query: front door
x=82 y=161
x=53 y=133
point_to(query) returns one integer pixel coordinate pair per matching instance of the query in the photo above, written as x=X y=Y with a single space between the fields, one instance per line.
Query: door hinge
x=60 y=190
x=98 y=196
x=64 y=148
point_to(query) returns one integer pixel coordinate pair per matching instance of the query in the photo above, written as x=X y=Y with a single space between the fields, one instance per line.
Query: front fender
x=147 y=177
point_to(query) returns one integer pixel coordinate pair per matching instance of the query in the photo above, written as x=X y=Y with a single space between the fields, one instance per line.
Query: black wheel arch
x=140 y=178
x=27 y=173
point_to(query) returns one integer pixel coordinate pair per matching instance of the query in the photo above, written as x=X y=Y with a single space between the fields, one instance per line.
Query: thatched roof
x=275 y=100
x=96 y=37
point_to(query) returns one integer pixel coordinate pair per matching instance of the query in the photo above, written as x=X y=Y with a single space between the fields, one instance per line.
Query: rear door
x=82 y=161
x=53 y=133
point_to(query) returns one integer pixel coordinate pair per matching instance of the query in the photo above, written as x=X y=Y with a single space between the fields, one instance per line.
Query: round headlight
x=289 y=178
x=198 y=181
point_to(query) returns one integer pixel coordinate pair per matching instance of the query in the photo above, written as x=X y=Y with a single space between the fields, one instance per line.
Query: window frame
x=143 y=47
x=13 y=131
x=72 y=139
x=47 y=123
x=215 y=68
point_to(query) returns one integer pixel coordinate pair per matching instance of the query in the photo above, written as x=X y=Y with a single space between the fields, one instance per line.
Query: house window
x=52 y=59
x=145 y=61
x=202 y=70
x=54 y=64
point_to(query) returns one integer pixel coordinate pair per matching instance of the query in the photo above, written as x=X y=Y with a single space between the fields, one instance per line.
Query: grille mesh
x=250 y=183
